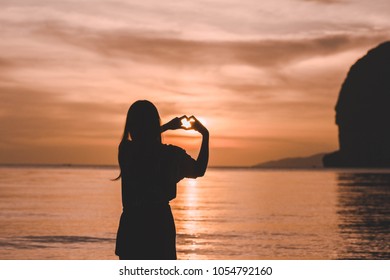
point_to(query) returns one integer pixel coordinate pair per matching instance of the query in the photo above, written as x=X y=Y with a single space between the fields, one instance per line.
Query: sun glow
x=190 y=183
x=187 y=123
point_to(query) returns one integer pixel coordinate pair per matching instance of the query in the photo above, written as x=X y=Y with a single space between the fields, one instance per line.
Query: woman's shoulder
x=173 y=149
x=124 y=145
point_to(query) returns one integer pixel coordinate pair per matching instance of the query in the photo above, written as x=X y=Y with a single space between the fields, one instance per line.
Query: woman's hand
x=186 y=123
x=197 y=126
x=174 y=124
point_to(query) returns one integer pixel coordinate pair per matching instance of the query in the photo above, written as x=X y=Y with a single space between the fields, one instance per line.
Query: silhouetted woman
x=150 y=171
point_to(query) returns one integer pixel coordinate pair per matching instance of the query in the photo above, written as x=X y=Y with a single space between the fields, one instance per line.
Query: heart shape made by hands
x=187 y=122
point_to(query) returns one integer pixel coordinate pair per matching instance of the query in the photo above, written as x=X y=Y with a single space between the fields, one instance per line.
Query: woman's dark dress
x=149 y=176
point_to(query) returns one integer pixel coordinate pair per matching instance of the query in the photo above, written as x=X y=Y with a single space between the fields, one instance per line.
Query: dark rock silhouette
x=363 y=113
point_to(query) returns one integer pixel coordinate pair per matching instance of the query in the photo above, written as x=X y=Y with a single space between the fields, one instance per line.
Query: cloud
x=175 y=52
x=278 y=96
x=193 y=57
x=4 y=63
x=39 y=116
x=326 y=1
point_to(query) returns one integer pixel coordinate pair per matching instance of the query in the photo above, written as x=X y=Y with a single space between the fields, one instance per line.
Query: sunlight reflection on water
x=69 y=213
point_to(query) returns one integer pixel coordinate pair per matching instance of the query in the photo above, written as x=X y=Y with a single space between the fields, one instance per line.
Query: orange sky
x=263 y=75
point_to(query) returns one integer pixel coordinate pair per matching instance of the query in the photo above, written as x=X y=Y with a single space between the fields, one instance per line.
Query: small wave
x=44 y=241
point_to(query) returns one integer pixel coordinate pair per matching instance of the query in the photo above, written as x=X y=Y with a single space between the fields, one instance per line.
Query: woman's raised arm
x=194 y=168
x=203 y=157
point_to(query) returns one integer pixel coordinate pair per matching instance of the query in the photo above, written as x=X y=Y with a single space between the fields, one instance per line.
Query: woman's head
x=143 y=123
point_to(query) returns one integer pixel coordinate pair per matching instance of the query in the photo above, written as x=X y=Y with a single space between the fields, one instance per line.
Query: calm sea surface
x=70 y=213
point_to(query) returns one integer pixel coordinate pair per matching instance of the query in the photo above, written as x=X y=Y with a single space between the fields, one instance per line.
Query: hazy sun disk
x=187 y=123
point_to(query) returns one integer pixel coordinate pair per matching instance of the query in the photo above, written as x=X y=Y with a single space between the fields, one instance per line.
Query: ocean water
x=73 y=213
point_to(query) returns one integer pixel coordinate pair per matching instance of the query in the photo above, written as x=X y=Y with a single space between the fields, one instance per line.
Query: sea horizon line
x=103 y=166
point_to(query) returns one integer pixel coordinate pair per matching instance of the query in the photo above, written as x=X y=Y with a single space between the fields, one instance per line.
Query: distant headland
x=313 y=161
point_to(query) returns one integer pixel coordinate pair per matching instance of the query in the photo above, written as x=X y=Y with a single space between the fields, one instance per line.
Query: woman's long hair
x=142 y=126
x=142 y=123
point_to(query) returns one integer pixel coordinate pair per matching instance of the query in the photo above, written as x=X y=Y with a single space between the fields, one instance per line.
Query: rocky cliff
x=363 y=113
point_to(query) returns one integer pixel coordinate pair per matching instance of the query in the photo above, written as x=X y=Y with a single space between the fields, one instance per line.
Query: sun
x=187 y=123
